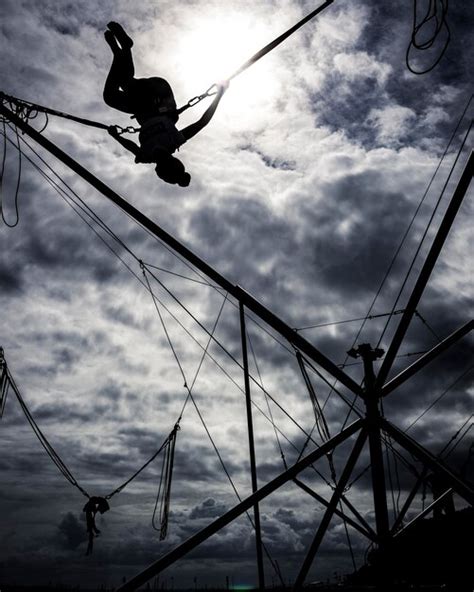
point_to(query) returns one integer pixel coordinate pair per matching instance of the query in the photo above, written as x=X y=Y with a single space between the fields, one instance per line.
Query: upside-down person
x=94 y=505
x=151 y=102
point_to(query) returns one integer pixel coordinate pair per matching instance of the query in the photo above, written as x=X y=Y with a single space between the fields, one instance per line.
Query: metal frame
x=375 y=387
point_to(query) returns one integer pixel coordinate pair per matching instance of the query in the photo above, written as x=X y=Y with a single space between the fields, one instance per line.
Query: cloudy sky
x=303 y=186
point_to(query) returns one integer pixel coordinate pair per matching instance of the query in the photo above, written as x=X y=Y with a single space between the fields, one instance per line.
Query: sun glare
x=216 y=45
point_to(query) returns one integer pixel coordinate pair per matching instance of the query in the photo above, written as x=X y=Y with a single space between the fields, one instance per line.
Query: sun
x=215 y=44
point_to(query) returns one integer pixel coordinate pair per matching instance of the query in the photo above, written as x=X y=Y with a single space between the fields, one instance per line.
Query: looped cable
x=2 y=174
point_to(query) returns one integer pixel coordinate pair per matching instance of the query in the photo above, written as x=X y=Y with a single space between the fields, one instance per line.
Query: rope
x=438 y=399
x=320 y=420
x=258 y=56
x=144 y=466
x=50 y=451
x=429 y=327
x=163 y=497
x=277 y=437
x=348 y=538
x=440 y=24
x=456 y=437
x=366 y=318
x=4 y=382
x=27 y=110
x=2 y=174
x=390 y=482
x=179 y=275
x=321 y=423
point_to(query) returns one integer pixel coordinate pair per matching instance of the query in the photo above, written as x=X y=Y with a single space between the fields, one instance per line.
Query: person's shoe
x=125 y=41
x=110 y=38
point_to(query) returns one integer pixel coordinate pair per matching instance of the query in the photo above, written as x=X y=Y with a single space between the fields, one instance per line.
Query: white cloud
x=392 y=123
x=361 y=65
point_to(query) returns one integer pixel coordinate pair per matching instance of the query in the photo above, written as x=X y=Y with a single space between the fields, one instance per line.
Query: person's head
x=171 y=170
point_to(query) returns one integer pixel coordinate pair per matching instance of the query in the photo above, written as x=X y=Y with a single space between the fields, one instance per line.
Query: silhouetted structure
x=436 y=551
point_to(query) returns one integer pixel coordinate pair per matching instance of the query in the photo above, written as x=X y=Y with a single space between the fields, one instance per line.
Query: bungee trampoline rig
x=369 y=433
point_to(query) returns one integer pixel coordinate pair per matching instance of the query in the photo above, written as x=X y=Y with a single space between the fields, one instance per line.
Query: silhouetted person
x=438 y=487
x=152 y=103
x=94 y=505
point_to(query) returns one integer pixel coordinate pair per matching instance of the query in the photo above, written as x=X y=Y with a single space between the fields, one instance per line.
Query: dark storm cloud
x=10 y=281
x=208 y=509
x=71 y=531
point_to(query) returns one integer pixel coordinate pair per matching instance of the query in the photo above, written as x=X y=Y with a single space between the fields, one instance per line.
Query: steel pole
x=366 y=530
x=426 y=358
x=372 y=401
x=253 y=463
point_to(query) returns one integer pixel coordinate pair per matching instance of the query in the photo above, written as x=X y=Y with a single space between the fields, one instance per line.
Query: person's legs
x=121 y=72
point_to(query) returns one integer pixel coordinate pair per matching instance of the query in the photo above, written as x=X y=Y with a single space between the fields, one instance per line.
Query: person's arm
x=126 y=143
x=191 y=130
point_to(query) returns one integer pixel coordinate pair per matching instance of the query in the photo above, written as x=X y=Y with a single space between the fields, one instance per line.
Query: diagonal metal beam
x=425 y=512
x=241 y=295
x=198 y=538
x=426 y=270
x=460 y=486
x=335 y=499
x=406 y=506
x=366 y=530
x=426 y=358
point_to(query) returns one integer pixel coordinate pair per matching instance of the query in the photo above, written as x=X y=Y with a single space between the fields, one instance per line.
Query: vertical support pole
x=373 y=416
x=253 y=465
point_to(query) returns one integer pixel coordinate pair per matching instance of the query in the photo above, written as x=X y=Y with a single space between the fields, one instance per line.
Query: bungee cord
x=27 y=110
x=440 y=397
x=455 y=440
x=4 y=382
x=163 y=497
x=369 y=317
x=257 y=56
x=435 y=20
x=2 y=174
x=50 y=451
